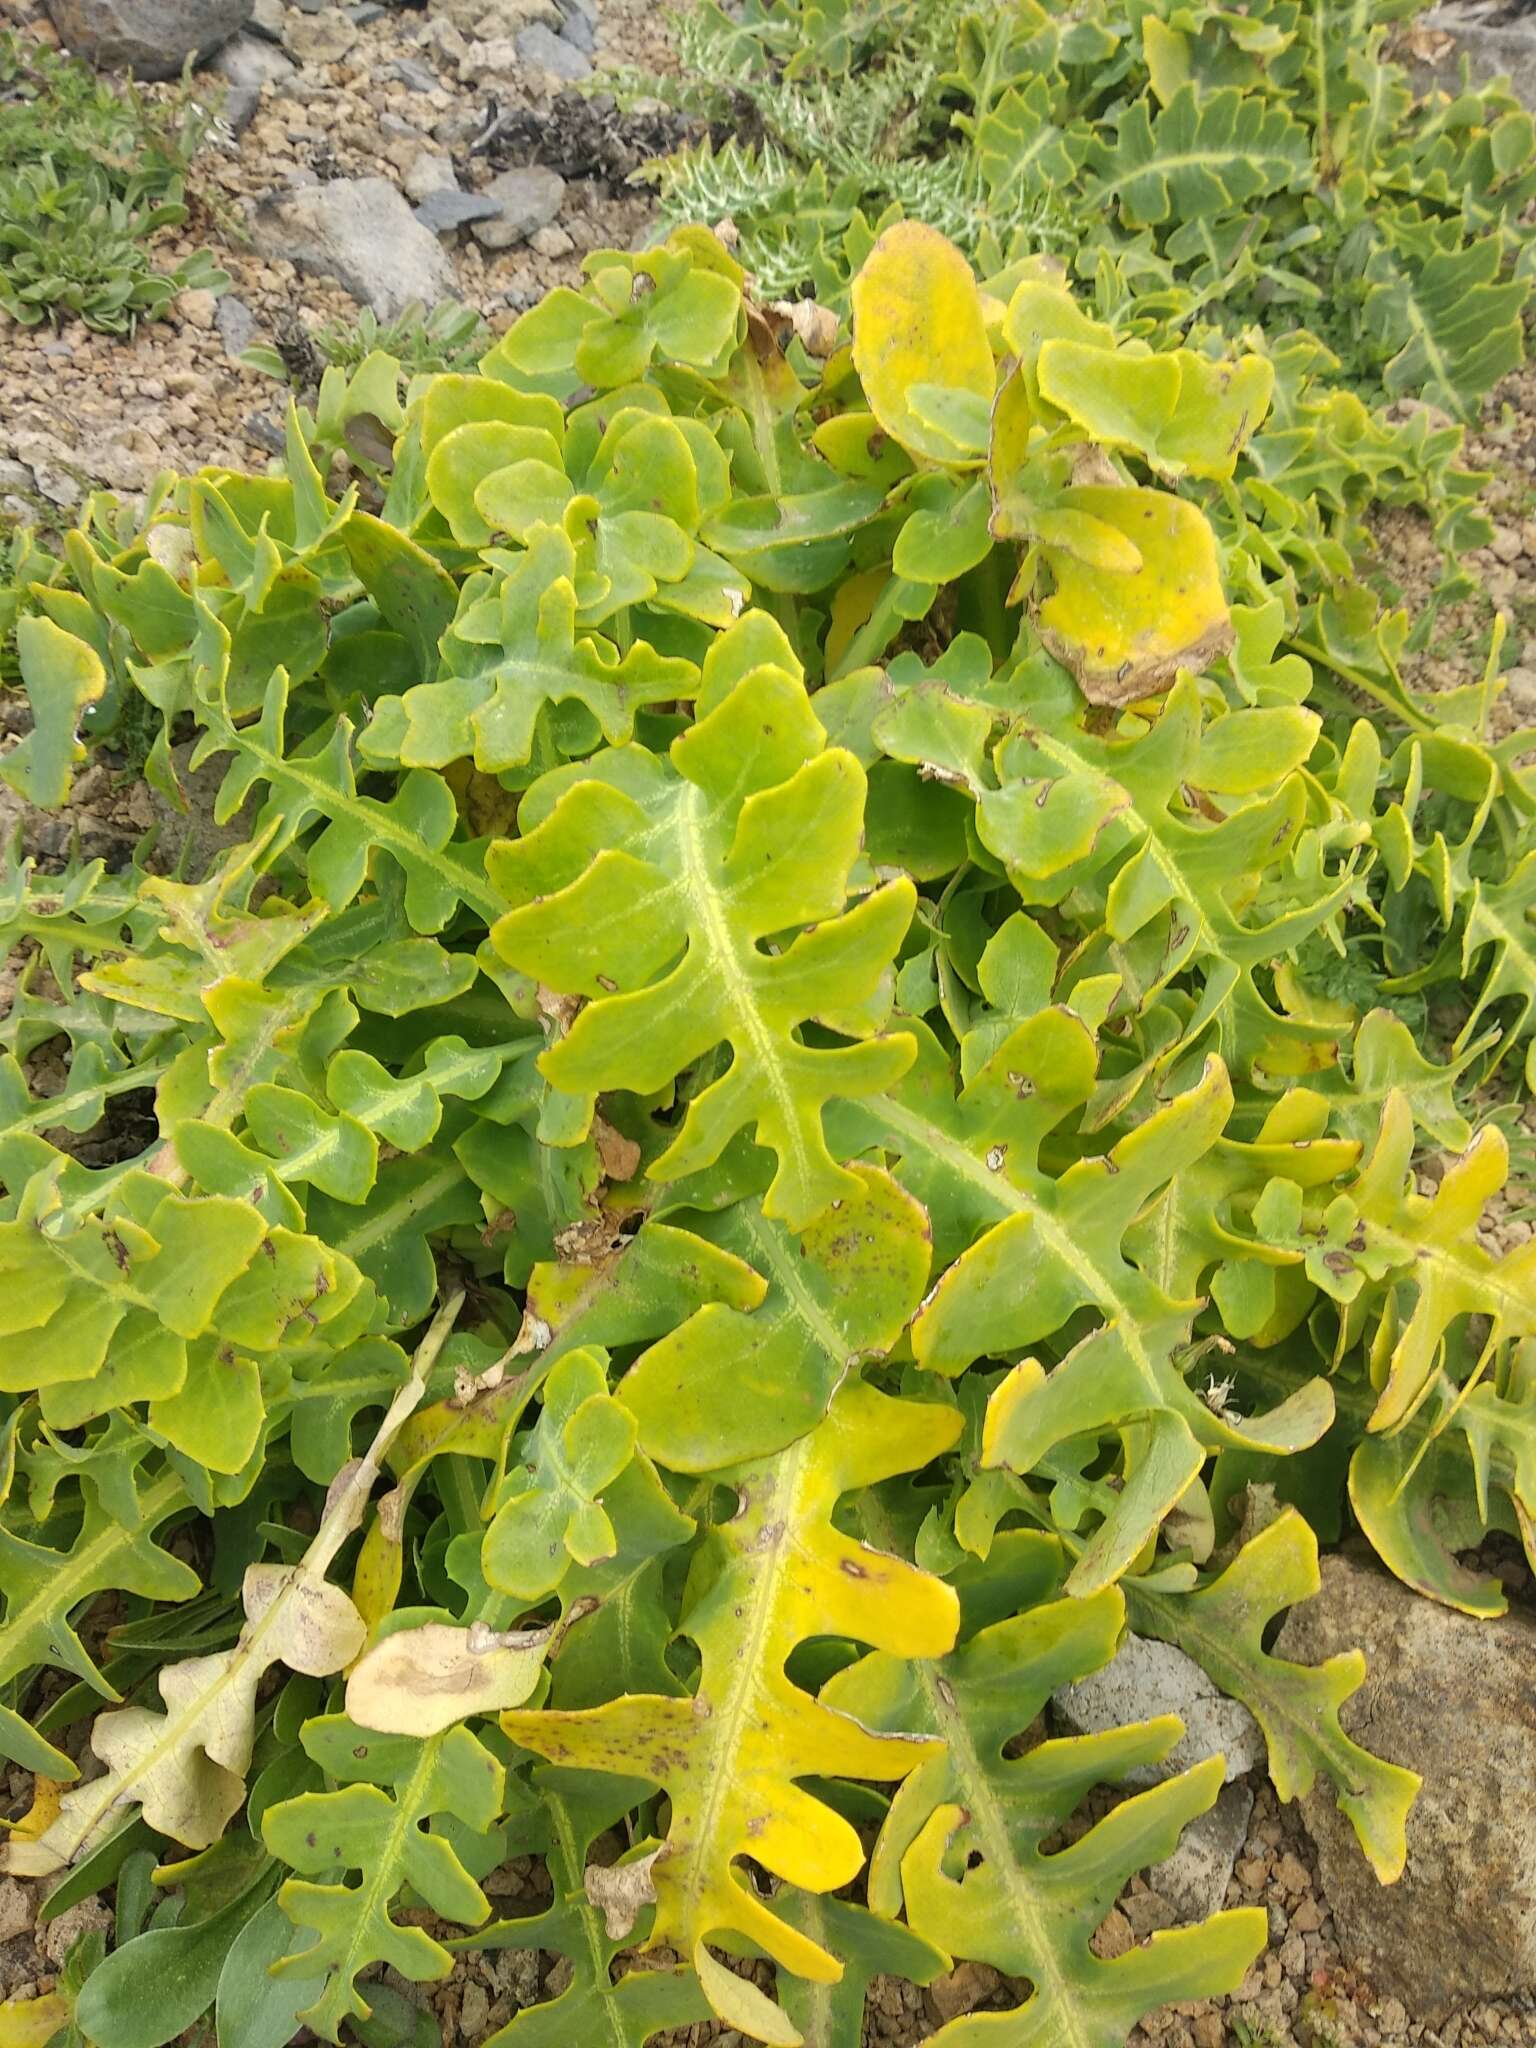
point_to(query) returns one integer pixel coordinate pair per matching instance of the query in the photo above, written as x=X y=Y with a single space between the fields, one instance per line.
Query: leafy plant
x=1204 y=165
x=805 y=889
x=90 y=176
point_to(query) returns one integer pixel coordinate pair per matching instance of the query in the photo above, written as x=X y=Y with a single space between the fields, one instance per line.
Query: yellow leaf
x=47 y=1796
x=1125 y=636
x=730 y=1757
x=32 y=2022
x=918 y=322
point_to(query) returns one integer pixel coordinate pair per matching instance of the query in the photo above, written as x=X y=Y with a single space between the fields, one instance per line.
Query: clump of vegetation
x=1200 y=167
x=755 y=1148
x=449 y=336
x=89 y=175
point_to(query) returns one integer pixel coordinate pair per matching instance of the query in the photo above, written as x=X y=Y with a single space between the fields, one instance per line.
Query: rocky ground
x=443 y=150
x=353 y=139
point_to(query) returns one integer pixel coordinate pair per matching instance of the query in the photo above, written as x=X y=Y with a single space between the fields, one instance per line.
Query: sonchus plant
x=756 y=1151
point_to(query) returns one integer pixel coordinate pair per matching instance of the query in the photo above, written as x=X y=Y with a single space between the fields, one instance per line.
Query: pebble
x=445 y=209
x=198 y=308
x=416 y=76
x=236 y=324
x=541 y=48
x=320 y=38
x=1508 y=545
x=16 y=1908
x=429 y=172
x=551 y=241
x=527 y=199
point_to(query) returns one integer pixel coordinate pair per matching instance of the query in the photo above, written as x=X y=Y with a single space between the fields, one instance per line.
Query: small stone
x=369 y=11
x=248 y=61
x=198 y=308
x=1291 y=1875
x=16 y=1910
x=527 y=199
x=320 y=38
x=1251 y=1873
x=236 y=324
x=60 y=1935
x=962 y=1989
x=1507 y=544
x=429 y=173
x=474 y=2007
x=240 y=105
x=1113 y=1937
x=1146 y=1678
x=151 y=38
x=551 y=241
x=1147 y=1912
x=543 y=50
x=1194 y=1878
x=1209 y=2030
x=267 y=18
x=129 y=459
x=492 y=65
x=52 y=465
x=362 y=232
x=447 y=208
x=416 y=76
x=1308 y=1917
x=402 y=150
x=265 y=432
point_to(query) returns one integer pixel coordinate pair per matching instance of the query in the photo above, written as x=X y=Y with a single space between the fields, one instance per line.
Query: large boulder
x=362 y=232
x=1455 y=1700
x=151 y=38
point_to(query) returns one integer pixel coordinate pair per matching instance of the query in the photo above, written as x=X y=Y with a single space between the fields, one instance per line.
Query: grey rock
x=417 y=76
x=361 y=232
x=320 y=37
x=151 y=38
x=1492 y=47
x=267 y=18
x=265 y=431
x=236 y=324
x=541 y=48
x=448 y=208
x=14 y=476
x=527 y=199
x=1452 y=1698
x=428 y=172
x=247 y=64
x=369 y=11
x=1195 y=1877
x=240 y=104
x=249 y=61
x=1146 y=1678
x=577 y=30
